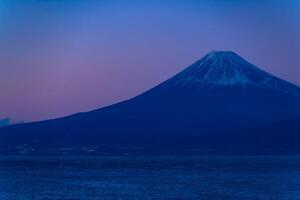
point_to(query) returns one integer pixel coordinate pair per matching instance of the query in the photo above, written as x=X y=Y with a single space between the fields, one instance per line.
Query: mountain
x=220 y=104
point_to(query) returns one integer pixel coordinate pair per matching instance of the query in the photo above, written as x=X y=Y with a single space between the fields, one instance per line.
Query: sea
x=149 y=177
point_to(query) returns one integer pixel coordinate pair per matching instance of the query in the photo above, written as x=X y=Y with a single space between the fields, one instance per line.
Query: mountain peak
x=223 y=68
x=226 y=69
x=227 y=59
x=216 y=53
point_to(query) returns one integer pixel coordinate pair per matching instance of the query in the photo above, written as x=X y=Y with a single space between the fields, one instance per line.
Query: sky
x=59 y=57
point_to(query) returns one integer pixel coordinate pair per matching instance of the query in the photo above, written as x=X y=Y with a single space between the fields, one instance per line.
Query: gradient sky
x=59 y=57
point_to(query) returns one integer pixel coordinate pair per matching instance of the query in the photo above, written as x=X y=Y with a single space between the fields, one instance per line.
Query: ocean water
x=142 y=178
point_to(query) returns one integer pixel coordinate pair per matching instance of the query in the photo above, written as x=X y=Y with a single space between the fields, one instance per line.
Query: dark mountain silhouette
x=220 y=104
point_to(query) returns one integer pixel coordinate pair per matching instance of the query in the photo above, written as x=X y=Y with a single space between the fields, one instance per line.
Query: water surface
x=205 y=178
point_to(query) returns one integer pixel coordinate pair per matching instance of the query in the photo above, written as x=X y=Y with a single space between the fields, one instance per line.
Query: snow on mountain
x=226 y=68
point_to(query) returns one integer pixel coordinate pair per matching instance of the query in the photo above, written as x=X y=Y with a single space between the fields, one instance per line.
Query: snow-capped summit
x=223 y=68
x=226 y=68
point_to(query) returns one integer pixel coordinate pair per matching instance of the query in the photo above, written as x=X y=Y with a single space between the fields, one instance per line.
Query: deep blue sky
x=61 y=57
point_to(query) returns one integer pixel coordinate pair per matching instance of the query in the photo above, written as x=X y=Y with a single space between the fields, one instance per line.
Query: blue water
x=204 y=178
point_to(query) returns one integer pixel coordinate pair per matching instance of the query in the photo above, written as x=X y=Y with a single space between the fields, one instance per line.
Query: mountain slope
x=220 y=96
